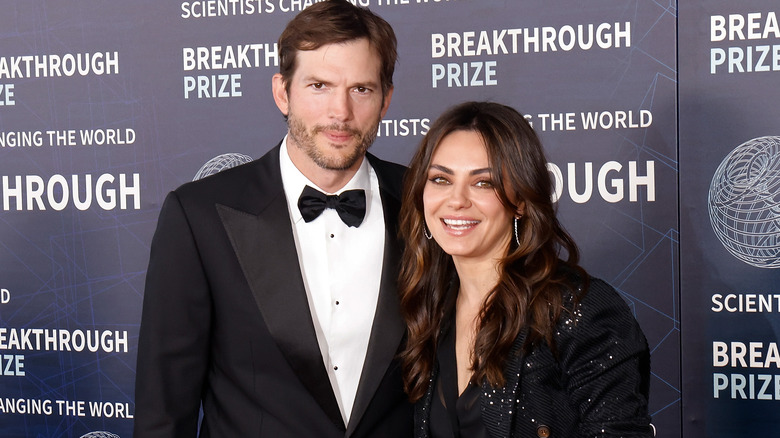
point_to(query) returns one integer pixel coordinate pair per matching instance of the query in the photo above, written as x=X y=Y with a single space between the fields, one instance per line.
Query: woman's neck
x=476 y=280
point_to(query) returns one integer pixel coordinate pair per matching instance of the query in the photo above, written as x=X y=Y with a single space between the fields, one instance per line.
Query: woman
x=506 y=339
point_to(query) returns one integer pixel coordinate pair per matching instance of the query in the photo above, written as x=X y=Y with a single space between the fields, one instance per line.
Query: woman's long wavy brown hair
x=528 y=294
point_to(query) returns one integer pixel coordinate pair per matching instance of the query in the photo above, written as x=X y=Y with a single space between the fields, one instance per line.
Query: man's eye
x=318 y=85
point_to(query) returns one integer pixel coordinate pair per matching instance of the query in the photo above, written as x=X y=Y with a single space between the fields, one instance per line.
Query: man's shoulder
x=263 y=168
x=385 y=166
x=390 y=174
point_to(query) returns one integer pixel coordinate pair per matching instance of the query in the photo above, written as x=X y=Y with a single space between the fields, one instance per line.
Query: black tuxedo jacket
x=226 y=320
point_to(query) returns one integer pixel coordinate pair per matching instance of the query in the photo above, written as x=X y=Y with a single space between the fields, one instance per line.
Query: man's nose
x=340 y=106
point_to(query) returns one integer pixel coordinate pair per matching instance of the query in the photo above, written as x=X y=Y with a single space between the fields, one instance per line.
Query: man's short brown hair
x=333 y=22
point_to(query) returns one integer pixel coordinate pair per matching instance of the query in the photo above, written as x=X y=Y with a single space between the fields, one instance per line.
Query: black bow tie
x=350 y=205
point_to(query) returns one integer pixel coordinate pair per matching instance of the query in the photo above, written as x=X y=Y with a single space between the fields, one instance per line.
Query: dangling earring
x=426 y=233
x=517 y=236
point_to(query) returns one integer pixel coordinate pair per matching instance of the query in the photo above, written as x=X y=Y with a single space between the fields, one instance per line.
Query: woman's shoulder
x=599 y=297
x=591 y=306
x=579 y=289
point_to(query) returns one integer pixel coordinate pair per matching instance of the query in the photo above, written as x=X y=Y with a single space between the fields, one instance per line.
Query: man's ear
x=279 y=91
x=386 y=102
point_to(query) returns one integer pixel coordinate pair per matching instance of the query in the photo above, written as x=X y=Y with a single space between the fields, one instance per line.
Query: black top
x=454 y=416
x=596 y=385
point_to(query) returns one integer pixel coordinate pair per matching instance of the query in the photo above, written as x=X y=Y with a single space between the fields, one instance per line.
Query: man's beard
x=305 y=140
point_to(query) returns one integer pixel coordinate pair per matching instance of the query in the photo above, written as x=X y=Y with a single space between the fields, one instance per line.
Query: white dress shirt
x=341 y=269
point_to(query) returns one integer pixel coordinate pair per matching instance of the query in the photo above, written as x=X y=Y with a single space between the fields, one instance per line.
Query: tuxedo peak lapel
x=265 y=248
x=388 y=327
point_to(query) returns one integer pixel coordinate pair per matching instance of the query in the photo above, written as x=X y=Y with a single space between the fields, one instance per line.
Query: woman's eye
x=438 y=180
x=485 y=184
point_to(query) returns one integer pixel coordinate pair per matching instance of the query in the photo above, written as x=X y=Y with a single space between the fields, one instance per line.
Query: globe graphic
x=744 y=202
x=220 y=163
x=100 y=434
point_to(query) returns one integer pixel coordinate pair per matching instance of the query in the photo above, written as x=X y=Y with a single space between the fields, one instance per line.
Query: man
x=266 y=301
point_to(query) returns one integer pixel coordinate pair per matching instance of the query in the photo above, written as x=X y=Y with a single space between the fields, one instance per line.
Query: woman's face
x=462 y=209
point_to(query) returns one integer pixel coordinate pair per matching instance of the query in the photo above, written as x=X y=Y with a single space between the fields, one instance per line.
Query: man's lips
x=338 y=136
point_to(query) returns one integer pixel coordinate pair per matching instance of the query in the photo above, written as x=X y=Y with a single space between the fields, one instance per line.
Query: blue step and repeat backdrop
x=729 y=149
x=660 y=120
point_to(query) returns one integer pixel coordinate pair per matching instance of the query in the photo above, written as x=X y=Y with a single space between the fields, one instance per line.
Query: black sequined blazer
x=597 y=386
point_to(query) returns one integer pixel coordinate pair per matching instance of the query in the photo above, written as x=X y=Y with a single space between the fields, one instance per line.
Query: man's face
x=333 y=105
